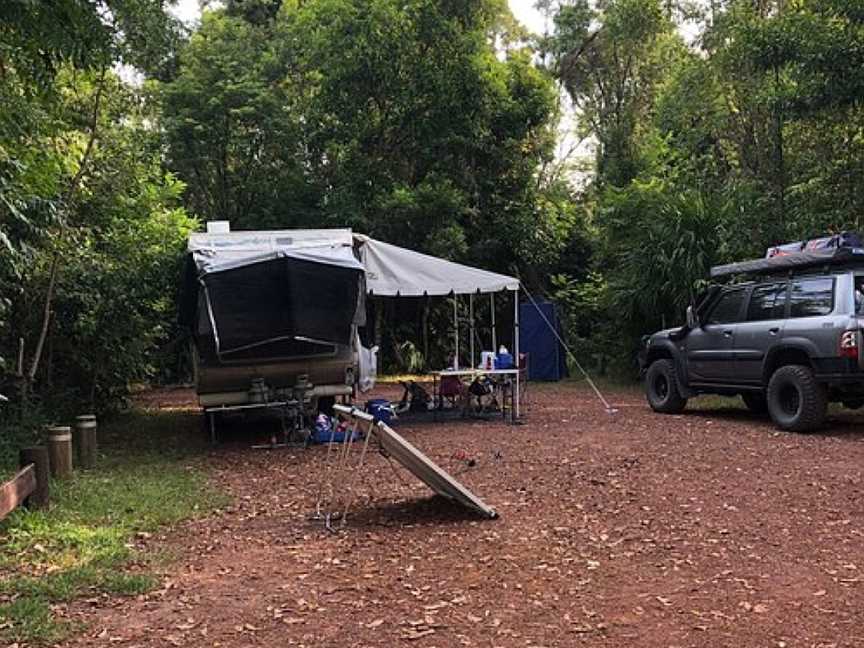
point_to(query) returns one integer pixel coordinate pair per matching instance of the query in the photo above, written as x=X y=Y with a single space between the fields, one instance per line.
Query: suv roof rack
x=795 y=261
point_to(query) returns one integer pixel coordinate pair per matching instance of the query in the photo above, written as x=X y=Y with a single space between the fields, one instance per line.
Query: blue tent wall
x=546 y=360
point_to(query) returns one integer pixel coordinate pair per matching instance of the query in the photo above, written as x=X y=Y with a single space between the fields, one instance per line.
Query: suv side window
x=812 y=297
x=728 y=307
x=767 y=302
x=859 y=295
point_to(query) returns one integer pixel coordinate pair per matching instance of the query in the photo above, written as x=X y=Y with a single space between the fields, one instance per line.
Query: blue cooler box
x=380 y=409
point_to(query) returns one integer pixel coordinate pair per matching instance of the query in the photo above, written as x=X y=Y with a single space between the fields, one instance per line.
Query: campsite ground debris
x=627 y=530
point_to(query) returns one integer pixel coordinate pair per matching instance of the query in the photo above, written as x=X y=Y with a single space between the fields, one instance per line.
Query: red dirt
x=633 y=529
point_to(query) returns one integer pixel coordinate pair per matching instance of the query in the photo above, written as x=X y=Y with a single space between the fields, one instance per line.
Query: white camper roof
x=392 y=271
x=258 y=242
x=214 y=252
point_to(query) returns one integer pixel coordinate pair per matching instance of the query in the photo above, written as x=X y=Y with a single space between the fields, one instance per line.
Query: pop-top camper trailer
x=271 y=311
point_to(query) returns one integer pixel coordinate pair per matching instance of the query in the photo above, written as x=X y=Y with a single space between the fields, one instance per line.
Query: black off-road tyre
x=796 y=401
x=661 y=388
x=756 y=402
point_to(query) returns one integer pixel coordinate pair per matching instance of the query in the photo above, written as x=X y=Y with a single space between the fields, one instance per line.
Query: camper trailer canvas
x=271 y=310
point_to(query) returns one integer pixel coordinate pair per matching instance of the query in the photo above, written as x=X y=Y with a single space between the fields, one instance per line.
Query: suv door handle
x=774 y=330
x=727 y=333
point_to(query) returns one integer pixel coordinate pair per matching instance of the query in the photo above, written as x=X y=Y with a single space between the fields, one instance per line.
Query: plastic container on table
x=487 y=360
x=505 y=361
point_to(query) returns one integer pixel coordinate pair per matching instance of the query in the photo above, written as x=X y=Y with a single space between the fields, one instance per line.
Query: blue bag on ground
x=323 y=431
x=380 y=409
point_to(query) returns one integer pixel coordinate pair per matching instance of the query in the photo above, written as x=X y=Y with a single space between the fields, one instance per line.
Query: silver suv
x=788 y=345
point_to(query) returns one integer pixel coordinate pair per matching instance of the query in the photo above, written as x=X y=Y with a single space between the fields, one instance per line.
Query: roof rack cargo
x=793 y=261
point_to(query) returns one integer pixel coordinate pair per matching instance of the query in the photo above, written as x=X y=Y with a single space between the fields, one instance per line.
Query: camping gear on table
x=505 y=359
x=487 y=360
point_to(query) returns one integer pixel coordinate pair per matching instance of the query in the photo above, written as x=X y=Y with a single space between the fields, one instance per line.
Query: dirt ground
x=632 y=529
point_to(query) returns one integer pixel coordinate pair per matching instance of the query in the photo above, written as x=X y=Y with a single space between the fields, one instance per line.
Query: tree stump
x=85 y=440
x=60 y=451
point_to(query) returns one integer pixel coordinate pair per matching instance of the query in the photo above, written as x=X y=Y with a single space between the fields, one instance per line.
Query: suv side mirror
x=692 y=318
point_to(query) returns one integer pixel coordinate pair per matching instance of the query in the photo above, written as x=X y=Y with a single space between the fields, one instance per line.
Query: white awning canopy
x=392 y=270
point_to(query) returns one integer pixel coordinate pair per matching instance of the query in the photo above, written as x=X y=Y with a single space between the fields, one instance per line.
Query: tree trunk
x=30 y=377
x=779 y=162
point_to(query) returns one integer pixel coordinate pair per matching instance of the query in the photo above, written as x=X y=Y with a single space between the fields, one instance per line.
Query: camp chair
x=481 y=395
x=452 y=390
x=414 y=398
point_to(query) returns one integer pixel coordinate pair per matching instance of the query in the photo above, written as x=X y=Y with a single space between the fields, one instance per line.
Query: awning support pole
x=516 y=349
x=456 y=329
x=494 y=333
x=471 y=327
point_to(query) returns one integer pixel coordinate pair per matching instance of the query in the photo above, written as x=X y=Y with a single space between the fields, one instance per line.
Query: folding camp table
x=496 y=375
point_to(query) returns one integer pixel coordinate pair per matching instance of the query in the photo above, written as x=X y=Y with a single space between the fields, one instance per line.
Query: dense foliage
x=91 y=223
x=711 y=152
x=399 y=119
x=429 y=123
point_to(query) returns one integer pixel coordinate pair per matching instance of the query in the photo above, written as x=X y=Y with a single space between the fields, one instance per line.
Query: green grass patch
x=31 y=619
x=147 y=477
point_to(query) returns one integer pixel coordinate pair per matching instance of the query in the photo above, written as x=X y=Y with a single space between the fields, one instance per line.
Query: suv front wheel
x=661 y=388
x=796 y=401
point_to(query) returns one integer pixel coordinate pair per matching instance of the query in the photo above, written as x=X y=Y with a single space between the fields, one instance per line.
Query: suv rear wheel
x=796 y=401
x=661 y=388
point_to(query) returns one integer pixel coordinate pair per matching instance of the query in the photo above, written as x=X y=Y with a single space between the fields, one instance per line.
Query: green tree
x=234 y=127
x=609 y=56
x=400 y=120
x=55 y=82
